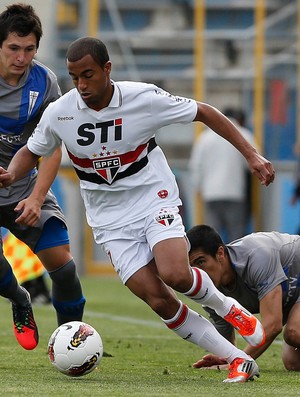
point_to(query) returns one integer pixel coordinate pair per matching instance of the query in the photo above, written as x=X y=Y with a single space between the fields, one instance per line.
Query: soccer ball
x=75 y=348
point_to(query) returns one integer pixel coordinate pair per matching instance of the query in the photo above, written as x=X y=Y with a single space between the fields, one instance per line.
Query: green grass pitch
x=145 y=358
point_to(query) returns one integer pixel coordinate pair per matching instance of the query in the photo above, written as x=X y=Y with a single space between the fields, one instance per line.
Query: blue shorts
x=54 y=234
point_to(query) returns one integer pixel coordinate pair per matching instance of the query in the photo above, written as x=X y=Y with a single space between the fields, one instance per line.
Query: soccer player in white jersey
x=131 y=196
x=26 y=89
x=261 y=271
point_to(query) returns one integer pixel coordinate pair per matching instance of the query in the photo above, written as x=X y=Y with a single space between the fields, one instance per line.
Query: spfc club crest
x=107 y=168
x=165 y=218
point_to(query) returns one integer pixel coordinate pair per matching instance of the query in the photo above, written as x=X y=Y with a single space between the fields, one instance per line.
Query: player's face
x=212 y=266
x=92 y=82
x=16 y=54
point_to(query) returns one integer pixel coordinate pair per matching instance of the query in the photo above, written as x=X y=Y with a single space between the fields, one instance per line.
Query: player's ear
x=107 y=67
x=220 y=252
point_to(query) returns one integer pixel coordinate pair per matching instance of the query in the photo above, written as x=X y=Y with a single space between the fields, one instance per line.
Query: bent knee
x=291 y=357
x=292 y=363
x=292 y=336
x=179 y=281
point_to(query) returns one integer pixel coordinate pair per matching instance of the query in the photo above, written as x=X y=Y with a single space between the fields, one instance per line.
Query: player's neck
x=10 y=79
x=105 y=101
x=229 y=277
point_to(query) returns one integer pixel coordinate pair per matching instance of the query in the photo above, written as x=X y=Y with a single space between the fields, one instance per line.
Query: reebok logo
x=66 y=118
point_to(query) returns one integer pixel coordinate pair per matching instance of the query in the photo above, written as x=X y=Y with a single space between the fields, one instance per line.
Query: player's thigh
x=53 y=247
x=291 y=333
x=291 y=336
x=29 y=235
x=166 y=237
x=126 y=248
x=146 y=284
x=172 y=262
x=55 y=257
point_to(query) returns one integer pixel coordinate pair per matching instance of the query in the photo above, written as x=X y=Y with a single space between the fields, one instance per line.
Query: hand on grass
x=210 y=361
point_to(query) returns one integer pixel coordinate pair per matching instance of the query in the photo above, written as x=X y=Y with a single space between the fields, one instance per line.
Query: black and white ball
x=75 y=348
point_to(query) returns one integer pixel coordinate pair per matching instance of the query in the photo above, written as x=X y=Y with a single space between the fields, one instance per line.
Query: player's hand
x=210 y=361
x=30 y=212
x=5 y=178
x=262 y=168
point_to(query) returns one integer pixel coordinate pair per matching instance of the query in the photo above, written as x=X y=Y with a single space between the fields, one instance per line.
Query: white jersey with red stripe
x=124 y=175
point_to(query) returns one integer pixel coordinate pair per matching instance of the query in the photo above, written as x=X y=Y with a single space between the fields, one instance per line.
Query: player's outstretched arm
x=210 y=361
x=30 y=207
x=214 y=119
x=271 y=319
x=20 y=165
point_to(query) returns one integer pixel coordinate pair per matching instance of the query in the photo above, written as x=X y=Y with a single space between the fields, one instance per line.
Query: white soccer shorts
x=130 y=247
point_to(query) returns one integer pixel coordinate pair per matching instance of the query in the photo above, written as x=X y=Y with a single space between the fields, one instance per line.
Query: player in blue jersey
x=261 y=271
x=26 y=89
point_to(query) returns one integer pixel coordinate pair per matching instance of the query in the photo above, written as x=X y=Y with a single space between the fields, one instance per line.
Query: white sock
x=204 y=292
x=194 y=328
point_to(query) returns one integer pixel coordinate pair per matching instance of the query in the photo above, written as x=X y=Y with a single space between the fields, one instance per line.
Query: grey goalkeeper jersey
x=261 y=262
x=20 y=110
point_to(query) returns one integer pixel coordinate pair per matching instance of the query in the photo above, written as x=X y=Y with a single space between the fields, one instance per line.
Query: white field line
x=125 y=319
x=132 y=320
x=146 y=323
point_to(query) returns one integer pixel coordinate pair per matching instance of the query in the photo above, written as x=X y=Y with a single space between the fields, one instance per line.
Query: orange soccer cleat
x=247 y=325
x=241 y=370
x=25 y=328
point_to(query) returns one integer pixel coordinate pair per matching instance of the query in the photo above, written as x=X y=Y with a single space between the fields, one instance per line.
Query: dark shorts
x=31 y=235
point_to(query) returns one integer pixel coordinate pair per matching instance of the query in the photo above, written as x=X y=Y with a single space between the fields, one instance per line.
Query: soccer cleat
x=247 y=325
x=25 y=328
x=242 y=370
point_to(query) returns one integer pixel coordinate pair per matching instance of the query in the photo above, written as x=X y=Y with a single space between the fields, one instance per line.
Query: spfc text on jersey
x=107 y=168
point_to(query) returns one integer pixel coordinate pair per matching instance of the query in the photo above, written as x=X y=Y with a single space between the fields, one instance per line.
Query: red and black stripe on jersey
x=125 y=158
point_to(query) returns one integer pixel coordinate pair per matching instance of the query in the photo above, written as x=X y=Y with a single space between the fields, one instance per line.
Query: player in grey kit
x=26 y=89
x=261 y=271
